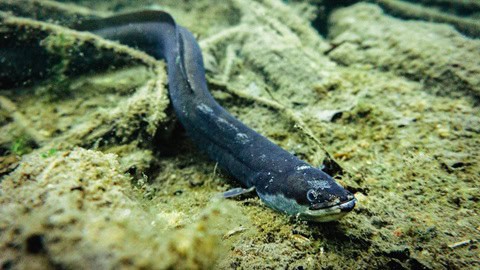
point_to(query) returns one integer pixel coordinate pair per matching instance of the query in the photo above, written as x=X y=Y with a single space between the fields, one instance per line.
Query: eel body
x=281 y=180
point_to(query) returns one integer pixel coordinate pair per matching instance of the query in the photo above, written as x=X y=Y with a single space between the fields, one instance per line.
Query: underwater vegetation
x=96 y=172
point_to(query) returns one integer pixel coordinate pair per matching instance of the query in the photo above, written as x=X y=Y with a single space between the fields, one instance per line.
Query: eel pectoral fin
x=235 y=192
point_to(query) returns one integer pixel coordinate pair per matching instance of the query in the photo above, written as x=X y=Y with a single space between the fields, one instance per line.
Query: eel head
x=307 y=193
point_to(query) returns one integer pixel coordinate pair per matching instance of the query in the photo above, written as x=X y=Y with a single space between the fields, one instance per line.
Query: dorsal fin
x=141 y=16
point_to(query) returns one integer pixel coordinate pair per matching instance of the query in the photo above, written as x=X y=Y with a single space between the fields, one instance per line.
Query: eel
x=281 y=180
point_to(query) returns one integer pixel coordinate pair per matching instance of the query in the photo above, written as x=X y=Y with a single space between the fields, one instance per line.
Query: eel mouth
x=329 y=213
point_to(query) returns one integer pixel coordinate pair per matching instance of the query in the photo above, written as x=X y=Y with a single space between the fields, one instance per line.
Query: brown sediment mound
x=77 y=209
x=434 y=54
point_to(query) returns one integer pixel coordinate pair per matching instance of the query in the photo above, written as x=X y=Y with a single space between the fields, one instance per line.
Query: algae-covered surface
x=96 y=172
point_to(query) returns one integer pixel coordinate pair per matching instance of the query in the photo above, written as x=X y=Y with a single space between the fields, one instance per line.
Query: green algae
x=407 y=138
x=20 y=146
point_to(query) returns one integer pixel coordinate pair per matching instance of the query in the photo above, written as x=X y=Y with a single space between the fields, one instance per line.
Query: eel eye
x=312 y=195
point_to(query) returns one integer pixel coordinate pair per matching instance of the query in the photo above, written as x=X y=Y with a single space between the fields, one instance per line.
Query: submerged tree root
x=49 y=10
x=21 y=121
x=466 y=4
x=406 y=10
x=72 y=54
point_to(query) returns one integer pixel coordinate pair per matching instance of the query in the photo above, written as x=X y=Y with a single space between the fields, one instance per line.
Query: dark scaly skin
x=282 y=181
